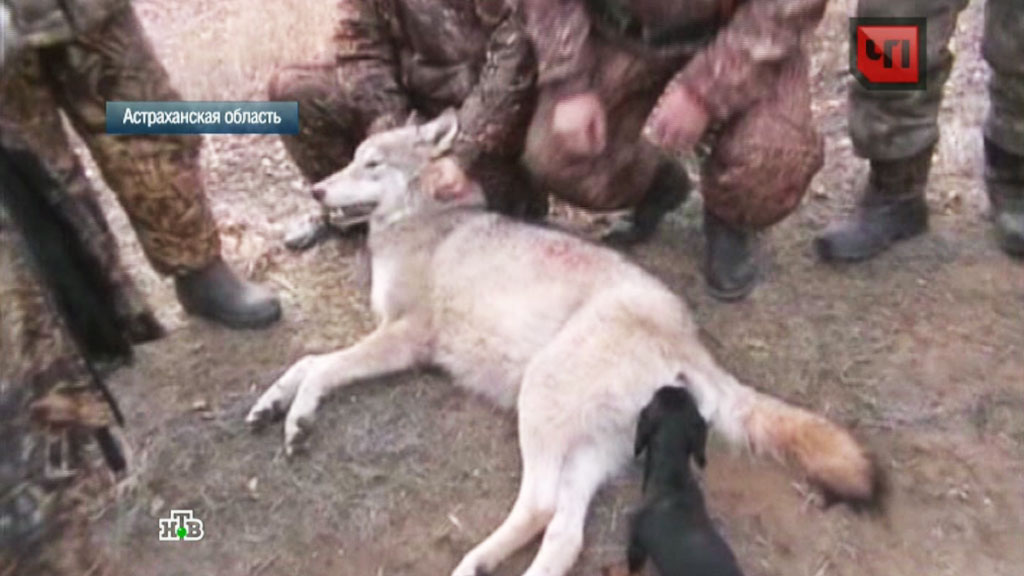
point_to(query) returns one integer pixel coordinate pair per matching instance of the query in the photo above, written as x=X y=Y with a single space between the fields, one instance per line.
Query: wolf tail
x=825 y=452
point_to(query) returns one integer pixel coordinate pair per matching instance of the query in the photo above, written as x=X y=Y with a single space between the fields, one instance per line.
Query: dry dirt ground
x=920 y=351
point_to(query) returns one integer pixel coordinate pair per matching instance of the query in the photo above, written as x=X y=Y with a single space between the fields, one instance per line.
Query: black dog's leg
x=636 y=556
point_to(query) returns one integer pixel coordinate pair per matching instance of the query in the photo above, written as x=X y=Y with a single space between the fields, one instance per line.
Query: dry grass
x=229 y=48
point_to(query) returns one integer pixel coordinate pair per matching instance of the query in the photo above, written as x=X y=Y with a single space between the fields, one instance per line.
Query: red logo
x=888 y=53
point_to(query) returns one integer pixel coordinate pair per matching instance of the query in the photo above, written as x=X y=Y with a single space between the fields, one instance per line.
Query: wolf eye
x=371 y=164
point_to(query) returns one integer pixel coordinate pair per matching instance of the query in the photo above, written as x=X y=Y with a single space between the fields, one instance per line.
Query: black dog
x=673 y=527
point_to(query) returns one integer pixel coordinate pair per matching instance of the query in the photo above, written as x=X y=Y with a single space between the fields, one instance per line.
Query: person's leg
x=669 y=190
x=897 y=131
x=156 y=177
x=759 y=169
x=1003 y=48
x=330 y=129
x=508 y=188
x=48 y=406
x=30 y=119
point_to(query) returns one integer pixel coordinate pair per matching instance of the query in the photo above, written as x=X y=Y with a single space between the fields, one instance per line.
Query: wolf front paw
x=298 y=425
x=274 y=403
x=469 y=567
x=296 y=434
x=264 y=412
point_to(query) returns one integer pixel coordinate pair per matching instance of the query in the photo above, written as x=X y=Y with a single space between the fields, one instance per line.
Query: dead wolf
x=573 y=335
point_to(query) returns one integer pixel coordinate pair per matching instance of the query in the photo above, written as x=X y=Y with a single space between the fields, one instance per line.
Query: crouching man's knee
x=328 y=132
x=760 y=171
x=305 y=83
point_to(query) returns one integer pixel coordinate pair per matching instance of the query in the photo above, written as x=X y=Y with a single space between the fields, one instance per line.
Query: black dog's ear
x=645 y=428
x=699 y=435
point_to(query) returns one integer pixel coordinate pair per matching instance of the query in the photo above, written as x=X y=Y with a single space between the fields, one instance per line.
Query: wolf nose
x=318 y=194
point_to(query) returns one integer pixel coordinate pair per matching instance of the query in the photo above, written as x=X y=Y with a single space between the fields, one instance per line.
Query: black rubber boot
x=306 y=232
x=670 y=188
x=309 y=230
x=218 y=294
x=1004 y=180
x=730 y=265
x=892 y=208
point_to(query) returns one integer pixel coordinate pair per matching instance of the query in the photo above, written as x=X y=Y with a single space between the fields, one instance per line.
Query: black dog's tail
x=73 y=275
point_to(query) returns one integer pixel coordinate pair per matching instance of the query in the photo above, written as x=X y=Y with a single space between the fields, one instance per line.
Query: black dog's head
x=672 y=413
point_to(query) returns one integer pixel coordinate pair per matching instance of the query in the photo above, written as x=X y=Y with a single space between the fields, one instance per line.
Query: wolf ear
x=414 y=119
x=699 y=435
x=645 y=428
x=440 y=132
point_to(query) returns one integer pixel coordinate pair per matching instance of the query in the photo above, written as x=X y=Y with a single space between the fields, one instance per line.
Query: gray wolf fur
x=673 y=528
x=571 y=334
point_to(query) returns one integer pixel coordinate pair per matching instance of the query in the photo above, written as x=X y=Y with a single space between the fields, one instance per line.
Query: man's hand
x=446 y=181
x=578 y=125
x=677 y=123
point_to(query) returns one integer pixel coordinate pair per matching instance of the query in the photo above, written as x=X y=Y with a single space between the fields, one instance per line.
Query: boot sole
x=1009 y=235
x=1012 y=247
x=254 y=322
x=828 y=253
x=734 y=296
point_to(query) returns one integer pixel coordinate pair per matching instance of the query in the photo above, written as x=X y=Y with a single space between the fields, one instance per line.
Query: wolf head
x=401 y=172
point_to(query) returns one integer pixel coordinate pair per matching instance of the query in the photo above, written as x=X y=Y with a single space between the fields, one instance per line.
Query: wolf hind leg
x=534 y=507
x=585 y=471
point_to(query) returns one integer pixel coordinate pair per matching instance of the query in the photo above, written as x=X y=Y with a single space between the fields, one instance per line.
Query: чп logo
x=888 y=53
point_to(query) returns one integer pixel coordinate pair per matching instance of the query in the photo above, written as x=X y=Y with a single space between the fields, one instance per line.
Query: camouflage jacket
x=748 y=41
x=41 y=23
x=430 y=54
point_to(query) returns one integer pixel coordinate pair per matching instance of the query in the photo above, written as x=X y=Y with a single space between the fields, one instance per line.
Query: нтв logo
x=182 y=525
x=888 y=53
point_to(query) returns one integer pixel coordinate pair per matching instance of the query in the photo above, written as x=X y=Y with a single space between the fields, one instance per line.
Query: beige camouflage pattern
x=45 y=23
x=393 y=57
x=888 y=125
x=50 y=463
x=156 y=178
x=744 y=60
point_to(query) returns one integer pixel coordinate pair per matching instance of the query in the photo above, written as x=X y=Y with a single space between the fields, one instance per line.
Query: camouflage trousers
x=758 y=166
x=887 y=125
x=156 y=178
x=50 y=468
x=335 y=117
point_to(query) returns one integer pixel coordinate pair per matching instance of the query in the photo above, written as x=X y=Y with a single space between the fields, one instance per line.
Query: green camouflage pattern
x=50 y=468
x=892 y=125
